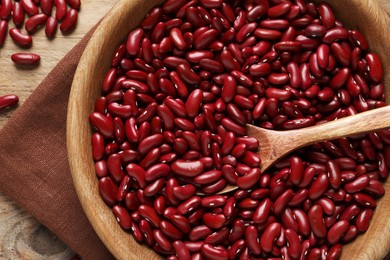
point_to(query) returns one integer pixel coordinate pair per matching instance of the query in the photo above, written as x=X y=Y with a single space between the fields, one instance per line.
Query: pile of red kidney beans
x=170 y=124
x=33 y=15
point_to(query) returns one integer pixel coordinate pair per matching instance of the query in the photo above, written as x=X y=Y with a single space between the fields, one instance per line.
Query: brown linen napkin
x=34 y=169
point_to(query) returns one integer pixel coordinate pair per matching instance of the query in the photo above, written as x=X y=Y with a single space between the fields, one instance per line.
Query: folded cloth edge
x=34 y=168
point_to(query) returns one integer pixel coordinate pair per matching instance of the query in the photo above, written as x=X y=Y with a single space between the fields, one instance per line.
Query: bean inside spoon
x=273 y=145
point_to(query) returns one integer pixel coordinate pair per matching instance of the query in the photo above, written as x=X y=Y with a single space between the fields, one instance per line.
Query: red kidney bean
x=251 y=238
x=3 y=31
x=150 y=215
x=134 y=41
x=208 y=177
x=19 y=38
x=147 y=231
x=152 y=18
x=303 y=222
x=350 y=212
x=375 y=67
x=337 y=231
x=250 y=179
x=315 y=30
x=51 y=26
x=101 y=168
x=279 y=10
x=187 y=75
x=340 y=54
x=193 y=102
x=335 y=34
x=178 y=39
x=294 y=246
x=363 y=219
x=288 y=219
x=108 y=190
x=187 y=168
x=131 y=201
x=102 y=124
x=181 y=250
x=170 y=231
x=6 y=8
x=299 y=197
x=29 y=7
x=34 y=22
x=267 y=34
x=47 y=6
x=157 y=171
x=61 y=9
x=334 y=252
x=215 y=221
x=162 y=240
x=137 y=173
x=358 y=184
x=334 y=174
x=70 y=21
x=271 y=233
x=319 y=186
x=171 y=6
x=316 y=221
x=122 y=216
x=150 y=142
x=199 y=232
x=74 y=4
x=212 y=252
x=364 y=200
x=282 y=201
x=326 y=15
x=25 y=58
x=205 y=39
x=115 y=168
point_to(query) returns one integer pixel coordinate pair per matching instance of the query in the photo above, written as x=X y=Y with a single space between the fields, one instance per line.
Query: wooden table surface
x=22 y=236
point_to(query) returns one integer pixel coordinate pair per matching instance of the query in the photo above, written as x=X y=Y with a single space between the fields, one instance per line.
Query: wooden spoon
x=276 y=144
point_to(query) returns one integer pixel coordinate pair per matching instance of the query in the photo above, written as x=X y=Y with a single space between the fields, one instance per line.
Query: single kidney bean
x=108 y=190
x=25 y=58
x=51 y=26
x=46 y=6
x=3 y=31
x=122 y=216
x=19 y=38
x=6 y=8
x=70 y=21
x=269 y=236
x=61 y=9
x=8 y=101
x=34 y=22
x=327 y=15
x=375 y=67
x=29 y=7
x=18 y=14
x=316 y=221
x=337 y=231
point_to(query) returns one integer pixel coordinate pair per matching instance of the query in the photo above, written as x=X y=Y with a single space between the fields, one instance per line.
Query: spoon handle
x=364 y=122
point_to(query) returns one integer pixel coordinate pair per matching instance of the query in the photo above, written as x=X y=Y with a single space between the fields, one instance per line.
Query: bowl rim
x=105 y=223
x=99 y=215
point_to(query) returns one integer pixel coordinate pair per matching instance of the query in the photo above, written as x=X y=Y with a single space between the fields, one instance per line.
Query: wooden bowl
x=364 y=15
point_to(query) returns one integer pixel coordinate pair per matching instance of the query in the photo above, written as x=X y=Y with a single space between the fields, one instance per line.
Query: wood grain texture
x=276 y=144
x=365 y=15
x=22 y=236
